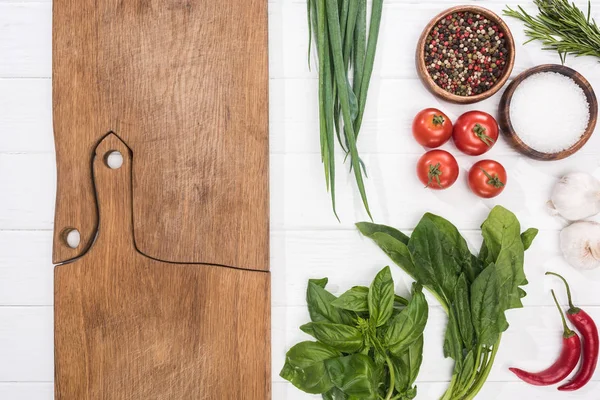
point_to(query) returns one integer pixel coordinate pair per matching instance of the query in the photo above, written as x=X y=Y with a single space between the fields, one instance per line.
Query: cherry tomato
x=437 y=169
x=475 y=132
x=487 y=178
x=432 y=128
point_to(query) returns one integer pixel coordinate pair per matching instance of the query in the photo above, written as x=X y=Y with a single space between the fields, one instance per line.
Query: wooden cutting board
x=129 y=327
x=185 y=84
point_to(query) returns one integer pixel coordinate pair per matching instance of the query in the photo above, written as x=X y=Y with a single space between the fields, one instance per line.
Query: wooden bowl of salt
x=548 y=112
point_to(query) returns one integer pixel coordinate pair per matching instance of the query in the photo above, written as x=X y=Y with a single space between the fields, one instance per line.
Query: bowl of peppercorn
x=465 y=54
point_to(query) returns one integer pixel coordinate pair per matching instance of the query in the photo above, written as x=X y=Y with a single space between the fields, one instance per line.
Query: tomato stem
x=493 y=180
x=480 y=133
x=434 y=173
x=438 y=120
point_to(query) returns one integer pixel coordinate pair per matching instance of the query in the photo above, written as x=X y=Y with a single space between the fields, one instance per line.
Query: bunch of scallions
x=562 y=27
x=345 y=64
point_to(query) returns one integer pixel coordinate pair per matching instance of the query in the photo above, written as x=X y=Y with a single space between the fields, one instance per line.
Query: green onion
x=346 y=58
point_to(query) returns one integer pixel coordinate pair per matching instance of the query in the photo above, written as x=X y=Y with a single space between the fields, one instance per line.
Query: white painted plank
x=348 y=259
x=25 y=39
x=26 y=270
x=491 y=391
x=27 y=187
x=387 y=127
x=299 y=199
x=26 y=115
x=26 y=344
x=532 y=341
x=27 y=391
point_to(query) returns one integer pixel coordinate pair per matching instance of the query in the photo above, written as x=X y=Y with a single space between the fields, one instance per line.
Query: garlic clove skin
x=576 y=196
x=580 y=244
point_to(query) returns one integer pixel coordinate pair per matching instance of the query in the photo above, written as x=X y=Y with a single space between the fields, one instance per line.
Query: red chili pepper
x=586 y=326
x=563 y=366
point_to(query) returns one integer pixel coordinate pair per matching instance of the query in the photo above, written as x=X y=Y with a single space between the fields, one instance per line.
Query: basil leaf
x=355 y=375
x=319 y=306
x=405 y=328
x=381 y=297
x=406 y=367
x=485 y=310
x=334 y=394
x=319 y=282
x=341 y=337
x=528 y=236
x=400 y=302
x=305 y=367
x=462 y=308
x=354 y=299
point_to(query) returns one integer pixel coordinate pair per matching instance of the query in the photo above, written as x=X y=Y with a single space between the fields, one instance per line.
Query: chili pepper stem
x=567 y=333
x=572 y=308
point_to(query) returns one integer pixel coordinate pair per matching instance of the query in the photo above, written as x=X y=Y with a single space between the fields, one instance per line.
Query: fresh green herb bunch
x=345 y=54
x=562 y=27
x=474 y=291
x=369 y=342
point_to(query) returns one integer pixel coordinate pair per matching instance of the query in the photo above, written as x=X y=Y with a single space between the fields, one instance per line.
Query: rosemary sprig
x=562 y=27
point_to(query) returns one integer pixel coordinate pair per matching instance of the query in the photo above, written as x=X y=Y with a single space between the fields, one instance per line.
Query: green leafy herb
x=562 y=27
x=340 y=31
x=369 y=342
x=475 y=291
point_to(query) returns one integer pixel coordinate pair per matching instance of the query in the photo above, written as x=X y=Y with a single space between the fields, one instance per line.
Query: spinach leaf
x=341 y=337
x=368 y=229
x=355 y=375
x=305 y=367
x=319 y=305
x=467 y=369
x=320 y=282
x=505 y=248
x=528 y=236
x=381 y=297
x=462 y=310
x=406 y=327
x=354 y=299
x=485 y=297
x=430 y=252
x=453 y=344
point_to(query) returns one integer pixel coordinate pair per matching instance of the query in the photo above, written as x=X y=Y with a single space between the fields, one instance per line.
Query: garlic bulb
x=580 y=244
x=576 y=196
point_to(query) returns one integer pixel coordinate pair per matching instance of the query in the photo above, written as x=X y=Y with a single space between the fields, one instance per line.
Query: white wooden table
x=306 y=239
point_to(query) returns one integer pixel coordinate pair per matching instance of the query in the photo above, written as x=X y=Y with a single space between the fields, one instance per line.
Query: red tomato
x=475 y=132
x=432 y=128
x=487 y=178
x=437 y=169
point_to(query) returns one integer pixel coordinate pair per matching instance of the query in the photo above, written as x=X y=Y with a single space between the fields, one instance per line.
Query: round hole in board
x=72 y=238
x=114 y=159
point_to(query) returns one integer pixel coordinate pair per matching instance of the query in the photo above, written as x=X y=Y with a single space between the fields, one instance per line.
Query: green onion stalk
x=345 y=60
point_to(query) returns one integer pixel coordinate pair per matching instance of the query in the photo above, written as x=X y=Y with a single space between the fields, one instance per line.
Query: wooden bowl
x=445 y=95
x=512 y=136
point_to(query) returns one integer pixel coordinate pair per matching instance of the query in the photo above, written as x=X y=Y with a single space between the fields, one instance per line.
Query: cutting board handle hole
x=72 y=237
x=113 y=159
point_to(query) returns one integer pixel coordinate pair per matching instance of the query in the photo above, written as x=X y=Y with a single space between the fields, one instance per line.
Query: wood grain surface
x=513 y=137
x=185 y=84
x=129 y=327
x=451 y=97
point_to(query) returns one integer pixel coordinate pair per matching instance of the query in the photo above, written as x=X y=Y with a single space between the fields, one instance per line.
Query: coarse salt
x=549 y=112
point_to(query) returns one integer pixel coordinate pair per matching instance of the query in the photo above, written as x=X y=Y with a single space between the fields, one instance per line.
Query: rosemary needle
x=562 y=27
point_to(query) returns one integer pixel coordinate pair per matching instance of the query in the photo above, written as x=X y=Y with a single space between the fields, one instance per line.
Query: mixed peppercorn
x=466 y=53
